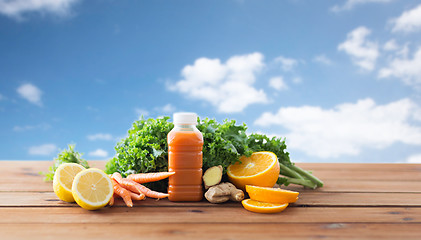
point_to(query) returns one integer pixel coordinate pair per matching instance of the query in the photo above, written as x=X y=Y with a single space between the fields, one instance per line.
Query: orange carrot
x=137 y=187
x=126 y=183
x=150 y=193
x=111 y=203
x=138 y=197
x=122 y=192
x=149 y=177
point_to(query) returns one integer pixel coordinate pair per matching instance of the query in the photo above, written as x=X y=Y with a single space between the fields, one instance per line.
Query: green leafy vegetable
x=66 y=156
x=293 y=174
x=223 y=143
x=145 y=149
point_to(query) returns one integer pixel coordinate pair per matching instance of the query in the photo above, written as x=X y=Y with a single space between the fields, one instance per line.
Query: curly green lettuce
x=145 y=149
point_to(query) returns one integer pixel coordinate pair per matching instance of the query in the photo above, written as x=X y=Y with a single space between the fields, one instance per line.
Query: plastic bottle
x=185 y=143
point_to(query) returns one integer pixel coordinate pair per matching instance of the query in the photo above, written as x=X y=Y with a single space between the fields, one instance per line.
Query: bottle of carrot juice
x=185 y=144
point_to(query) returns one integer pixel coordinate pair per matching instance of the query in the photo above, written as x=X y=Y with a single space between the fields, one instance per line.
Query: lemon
x=92 y=189
x=271 y=195
x=260 y=169
x=63 y=179
x=263 y=207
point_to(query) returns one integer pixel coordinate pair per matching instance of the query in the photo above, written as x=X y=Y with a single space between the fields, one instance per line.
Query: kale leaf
x=145 y=149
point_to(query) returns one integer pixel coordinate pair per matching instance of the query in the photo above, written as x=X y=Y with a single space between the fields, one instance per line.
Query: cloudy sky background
x=341 y=81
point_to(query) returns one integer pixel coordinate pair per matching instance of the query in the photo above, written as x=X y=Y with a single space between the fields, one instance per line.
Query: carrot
x=150 y=193
x=137 y=187
x=138 y=197
x=149 y=177
x=111 y=203
x=126 y=183
x=122 y=192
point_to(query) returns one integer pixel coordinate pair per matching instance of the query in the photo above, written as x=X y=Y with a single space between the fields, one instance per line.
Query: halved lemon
x=260 y=169
x=263 y=207
x=92 y=189
x=63 y=179
x=271 y=195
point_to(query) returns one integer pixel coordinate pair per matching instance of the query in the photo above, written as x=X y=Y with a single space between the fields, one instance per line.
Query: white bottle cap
x=185 y=118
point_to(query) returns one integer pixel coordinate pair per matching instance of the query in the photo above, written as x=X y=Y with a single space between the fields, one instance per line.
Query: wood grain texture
x=308 y=198
x=369 y=167
x=358 y=201
x=182 y=231
x=43 y=166
x=338 y=177
x=36 y=184
x=377 y=175
x=211 y=215
x=369 y=186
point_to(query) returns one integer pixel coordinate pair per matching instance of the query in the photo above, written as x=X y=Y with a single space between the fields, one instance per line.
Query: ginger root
x=212 y=176
x=223 y=192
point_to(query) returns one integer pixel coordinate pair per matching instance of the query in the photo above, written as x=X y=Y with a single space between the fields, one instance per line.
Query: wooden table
x=361 y=201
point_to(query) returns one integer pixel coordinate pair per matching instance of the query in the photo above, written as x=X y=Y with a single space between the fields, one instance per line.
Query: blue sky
x=341 y=81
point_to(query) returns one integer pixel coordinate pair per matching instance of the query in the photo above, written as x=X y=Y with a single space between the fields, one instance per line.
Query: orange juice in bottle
x=185 y=144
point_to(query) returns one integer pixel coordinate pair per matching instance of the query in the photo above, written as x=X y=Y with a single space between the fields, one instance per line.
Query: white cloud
x=31 y=93
x=414 y=159
x=350 y=4
x=287 y=64
x=403 y=51
x=23 y=128
x=166 y=109
x=17 y=8
x=43 y=150
x=169 y=108
x=347 y=128
x=92 y=109
x=141 y=112
x=278 y=83
x=100 y=136
x=391 y=45
x=42 y=126
x=227 y=86
x=322 y=59
x=297 y=80
x=409 y=21
x=2 y=97
x=98 y=153
x=363 y=52
x=409 y=70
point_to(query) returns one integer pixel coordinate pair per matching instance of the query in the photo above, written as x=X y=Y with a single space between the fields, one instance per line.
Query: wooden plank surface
x=35 y=184
x=338 y=177
x=306 y=199
x=211 y=215
x=358 y=201
x=183 y=231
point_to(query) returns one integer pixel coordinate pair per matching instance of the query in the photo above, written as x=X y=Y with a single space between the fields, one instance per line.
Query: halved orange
x=271 y=195
x=260 y=169
x=263 y=207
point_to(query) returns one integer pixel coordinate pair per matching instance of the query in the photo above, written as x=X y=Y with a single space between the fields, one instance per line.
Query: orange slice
x=271 y=195
x=260 y=169
x=263 y=207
